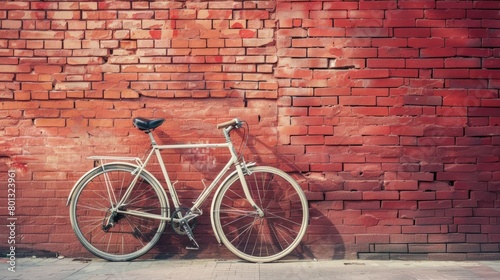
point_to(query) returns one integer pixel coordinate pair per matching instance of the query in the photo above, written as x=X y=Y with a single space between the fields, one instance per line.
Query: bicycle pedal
x=194 y=246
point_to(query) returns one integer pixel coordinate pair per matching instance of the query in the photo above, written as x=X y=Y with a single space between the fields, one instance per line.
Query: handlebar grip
x=228 y=123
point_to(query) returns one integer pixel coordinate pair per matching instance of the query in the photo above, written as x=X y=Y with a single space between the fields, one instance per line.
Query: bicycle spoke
x=98 y=193
x=93 y=226
x=273 y=215
x=242 y=228
x=246 y=231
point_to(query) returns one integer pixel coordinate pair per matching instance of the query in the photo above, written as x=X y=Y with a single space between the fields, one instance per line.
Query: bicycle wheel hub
x=111 y=220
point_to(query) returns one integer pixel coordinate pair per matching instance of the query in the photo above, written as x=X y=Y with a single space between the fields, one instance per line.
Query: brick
x=425 y=63
x=314 y=140
x=398 y=185
x=304 y=63
x=491 y=62
x=372 y=238
x=484 y=74
x=67 y=104
x=439 y=14
x=416 y=195
x=326 y=32
x=357 y=100
x=343 y=195
x=71 y=86
x=463 y=248
x=36 y=86
x=462 y=63
x=451 y=73
x=370 y=32
x=40 y=34
x=426 y=229
x=426 y=42
x=386 y=63
x=438 y=52
x=367 y=185
x=249 y=14
x=427 y=248
x=400 y=205
x=434 y=221
x=15 y=69
x=68 y=15
x=412 y=32
x=322 y=130
x=482 y=131
x=408 y=238
x=48 y=69
x=44 y=122
x=296 y=92
x=9 y=34
x=444 y=204
x=380 y=195
x=423 y=100
x=449 y=32
x=363 y=205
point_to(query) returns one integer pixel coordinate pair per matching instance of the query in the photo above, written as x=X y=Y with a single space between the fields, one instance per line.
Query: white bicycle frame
x=241 y=169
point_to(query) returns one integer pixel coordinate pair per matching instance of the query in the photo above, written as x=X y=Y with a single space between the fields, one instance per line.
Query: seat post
x=153 y=142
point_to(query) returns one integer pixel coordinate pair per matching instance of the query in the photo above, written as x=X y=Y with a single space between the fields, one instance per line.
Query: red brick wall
x=387 y=112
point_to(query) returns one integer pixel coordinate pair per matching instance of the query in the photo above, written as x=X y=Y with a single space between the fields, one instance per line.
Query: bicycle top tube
x=148 y=125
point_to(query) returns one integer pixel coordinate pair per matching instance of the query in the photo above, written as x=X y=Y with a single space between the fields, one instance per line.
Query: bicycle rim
x=268 y=238
x=129 y=236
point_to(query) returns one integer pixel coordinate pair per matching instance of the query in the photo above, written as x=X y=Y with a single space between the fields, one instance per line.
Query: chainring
x=176 y=226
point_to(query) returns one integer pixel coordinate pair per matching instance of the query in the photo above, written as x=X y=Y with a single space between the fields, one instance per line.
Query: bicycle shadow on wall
x=322 y=239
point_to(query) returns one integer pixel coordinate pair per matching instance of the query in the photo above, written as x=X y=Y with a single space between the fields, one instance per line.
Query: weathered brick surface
x=387 y=112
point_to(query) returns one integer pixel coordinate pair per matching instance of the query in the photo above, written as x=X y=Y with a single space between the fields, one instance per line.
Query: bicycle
x=119 y=210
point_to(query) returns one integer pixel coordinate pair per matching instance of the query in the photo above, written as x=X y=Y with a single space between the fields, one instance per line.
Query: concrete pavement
x=85 y=269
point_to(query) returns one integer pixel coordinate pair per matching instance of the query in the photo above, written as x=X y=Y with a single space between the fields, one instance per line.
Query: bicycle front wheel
x=110 y=234
x=272 y=236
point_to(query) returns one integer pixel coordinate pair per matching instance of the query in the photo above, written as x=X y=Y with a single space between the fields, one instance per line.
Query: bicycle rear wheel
x=267 y=238
x=106 y=233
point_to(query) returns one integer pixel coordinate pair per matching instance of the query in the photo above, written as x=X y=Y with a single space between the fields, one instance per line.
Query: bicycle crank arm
x=189 y=232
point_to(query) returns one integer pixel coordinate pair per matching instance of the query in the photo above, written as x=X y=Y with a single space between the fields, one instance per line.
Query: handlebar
x=234 y=122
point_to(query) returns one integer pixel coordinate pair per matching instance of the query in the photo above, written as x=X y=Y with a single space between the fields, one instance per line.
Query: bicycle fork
x=246 y=190
x=241 y=170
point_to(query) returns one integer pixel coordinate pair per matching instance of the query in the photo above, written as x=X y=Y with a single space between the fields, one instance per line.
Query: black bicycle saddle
x=147 y=125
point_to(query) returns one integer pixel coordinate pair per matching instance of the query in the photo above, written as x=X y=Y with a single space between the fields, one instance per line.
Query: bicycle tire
x=131 y=236
x=261 y=239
